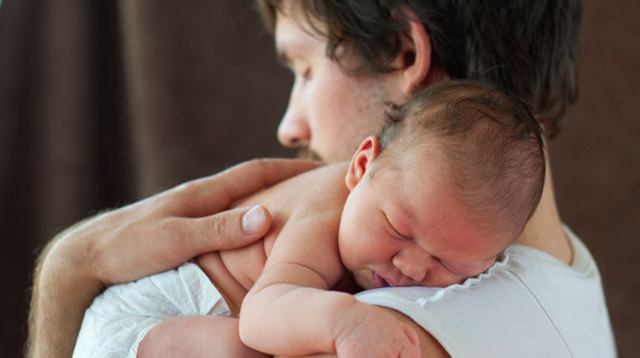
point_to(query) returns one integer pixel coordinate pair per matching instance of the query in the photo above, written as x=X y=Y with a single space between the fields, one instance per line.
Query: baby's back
x=120 y=318
x=320 y=191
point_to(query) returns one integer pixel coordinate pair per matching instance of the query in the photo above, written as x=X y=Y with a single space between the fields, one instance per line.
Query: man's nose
x=294 y=130
x=412 y=264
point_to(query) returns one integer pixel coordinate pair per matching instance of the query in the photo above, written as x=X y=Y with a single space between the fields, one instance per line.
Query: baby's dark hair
x=491 y=145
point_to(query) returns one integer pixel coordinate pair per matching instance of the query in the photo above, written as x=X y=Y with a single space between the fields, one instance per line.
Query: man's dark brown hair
x=524 y=46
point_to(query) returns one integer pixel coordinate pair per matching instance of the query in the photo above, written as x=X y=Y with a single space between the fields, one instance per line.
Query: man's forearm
x=61 y=292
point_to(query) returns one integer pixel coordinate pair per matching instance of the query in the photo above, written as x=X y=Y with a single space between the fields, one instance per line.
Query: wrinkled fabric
x=118 y=319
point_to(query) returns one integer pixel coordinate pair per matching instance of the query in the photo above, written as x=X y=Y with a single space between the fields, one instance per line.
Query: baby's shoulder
x=322 y=188
x=314 y=210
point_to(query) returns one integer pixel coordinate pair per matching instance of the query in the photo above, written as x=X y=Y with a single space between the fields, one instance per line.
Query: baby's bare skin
x=283 y=281
x=321 y=191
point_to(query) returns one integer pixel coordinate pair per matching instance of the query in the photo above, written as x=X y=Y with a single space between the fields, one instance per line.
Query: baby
x=434 y=199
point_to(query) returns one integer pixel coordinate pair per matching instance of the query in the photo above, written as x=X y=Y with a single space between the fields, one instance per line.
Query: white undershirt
x=528 y=304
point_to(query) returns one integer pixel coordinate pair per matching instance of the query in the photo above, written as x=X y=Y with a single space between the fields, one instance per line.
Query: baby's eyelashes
x=394 y=231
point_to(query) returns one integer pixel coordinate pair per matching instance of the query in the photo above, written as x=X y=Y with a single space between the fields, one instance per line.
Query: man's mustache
x=308 y=153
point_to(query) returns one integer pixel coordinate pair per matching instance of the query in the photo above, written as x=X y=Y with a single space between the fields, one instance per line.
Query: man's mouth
x=378 y=281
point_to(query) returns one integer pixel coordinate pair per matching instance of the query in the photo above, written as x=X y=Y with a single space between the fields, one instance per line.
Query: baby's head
x=449 y=183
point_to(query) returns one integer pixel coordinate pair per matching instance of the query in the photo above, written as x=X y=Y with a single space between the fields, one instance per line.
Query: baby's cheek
x=484 y=266
x=349 y=248
x=442 y=277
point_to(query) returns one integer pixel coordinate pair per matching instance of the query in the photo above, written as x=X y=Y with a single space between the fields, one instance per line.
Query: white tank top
x=528 y=304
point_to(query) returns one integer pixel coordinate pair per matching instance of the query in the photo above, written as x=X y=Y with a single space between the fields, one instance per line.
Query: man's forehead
x=296 y=32
x=289 y=42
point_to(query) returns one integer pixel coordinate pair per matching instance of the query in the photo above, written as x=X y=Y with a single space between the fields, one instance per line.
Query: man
x=345 y=72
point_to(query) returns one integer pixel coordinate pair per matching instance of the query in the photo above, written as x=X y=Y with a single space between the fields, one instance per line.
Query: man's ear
x=414 y=59
x=367 y=152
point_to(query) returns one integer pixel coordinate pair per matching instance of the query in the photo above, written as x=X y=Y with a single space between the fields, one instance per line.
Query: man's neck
x=544 y=230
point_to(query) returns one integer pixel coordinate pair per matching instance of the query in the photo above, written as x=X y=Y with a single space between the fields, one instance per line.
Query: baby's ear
x=367 y=152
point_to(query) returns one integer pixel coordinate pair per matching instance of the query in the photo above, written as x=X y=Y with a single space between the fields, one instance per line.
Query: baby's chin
x=362 y=279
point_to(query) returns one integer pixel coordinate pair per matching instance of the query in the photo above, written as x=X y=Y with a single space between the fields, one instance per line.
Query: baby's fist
x=369 y=331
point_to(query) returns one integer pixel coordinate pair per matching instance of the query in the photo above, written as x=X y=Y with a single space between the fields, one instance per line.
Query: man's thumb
x=256 y=221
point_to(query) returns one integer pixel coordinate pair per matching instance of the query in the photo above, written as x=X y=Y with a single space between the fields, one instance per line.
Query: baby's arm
x=290 y=312
x=195 y=336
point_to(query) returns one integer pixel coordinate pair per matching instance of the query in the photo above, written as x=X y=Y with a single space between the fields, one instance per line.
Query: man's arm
x=146 y=237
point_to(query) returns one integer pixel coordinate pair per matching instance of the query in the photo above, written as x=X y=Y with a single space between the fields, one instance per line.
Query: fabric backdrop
x=106 y=102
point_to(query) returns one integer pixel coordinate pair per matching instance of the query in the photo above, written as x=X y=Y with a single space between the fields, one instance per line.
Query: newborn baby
x=434 y=199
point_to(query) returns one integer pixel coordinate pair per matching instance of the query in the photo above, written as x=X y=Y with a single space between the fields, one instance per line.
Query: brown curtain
x=106 y=102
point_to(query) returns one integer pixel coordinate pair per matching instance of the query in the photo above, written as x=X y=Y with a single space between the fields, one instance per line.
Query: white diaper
x=117 y=320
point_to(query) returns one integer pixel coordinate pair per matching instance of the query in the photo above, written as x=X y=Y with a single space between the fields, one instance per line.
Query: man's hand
x=149 y=236
x=370 y=331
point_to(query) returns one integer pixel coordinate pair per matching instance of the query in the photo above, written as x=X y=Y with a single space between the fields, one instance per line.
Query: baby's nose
x=414 y=267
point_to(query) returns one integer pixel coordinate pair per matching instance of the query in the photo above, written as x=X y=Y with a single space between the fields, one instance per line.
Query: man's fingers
x=181 y=223
x=226 y=230
x=215 y=193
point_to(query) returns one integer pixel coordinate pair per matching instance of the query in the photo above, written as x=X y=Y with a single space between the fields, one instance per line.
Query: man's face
x=403 y=227
x=329 y=111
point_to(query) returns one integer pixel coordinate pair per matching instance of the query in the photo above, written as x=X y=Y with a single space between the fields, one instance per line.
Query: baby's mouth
x=378 y=281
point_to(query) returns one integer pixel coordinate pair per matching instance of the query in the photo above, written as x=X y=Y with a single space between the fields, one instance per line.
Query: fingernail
x=253 y=220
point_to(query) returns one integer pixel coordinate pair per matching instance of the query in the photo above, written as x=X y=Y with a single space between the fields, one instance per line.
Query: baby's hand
x=370 y=331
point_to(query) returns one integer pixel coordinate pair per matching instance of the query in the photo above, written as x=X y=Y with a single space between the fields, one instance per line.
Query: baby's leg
x=196 y=336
